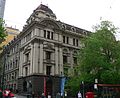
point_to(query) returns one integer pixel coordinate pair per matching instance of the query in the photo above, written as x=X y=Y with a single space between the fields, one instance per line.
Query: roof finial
x=41 y=1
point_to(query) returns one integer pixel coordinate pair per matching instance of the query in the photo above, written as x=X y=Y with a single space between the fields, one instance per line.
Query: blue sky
x=81 y=13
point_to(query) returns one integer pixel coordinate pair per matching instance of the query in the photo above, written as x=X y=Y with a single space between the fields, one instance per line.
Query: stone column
x=61 y=60
x=41 y=58
x=71 y=58
x=35 y=58
x=21 y=64
x=53 y=70
x=31 y=58
x=56 y=60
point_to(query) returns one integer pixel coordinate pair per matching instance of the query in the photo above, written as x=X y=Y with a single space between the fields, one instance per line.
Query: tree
x=99 y=57
x=2 y=30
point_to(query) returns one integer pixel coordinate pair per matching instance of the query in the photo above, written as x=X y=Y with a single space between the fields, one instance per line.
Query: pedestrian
x=49 y=96
x=33 y=95
x=79 y=95
x=42 y=96
x=58 y=95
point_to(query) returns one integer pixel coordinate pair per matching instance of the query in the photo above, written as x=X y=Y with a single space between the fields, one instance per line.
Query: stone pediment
x=49 y=46
x=27 y=49
x=49 y=23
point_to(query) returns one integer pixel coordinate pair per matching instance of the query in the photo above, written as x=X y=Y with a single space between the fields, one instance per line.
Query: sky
x=81 y=13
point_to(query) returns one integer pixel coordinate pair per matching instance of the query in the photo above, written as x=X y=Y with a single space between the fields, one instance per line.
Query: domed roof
x=44 y=8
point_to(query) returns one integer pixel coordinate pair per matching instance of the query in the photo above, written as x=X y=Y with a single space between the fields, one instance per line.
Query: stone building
x=11 y=34
x=44 y=51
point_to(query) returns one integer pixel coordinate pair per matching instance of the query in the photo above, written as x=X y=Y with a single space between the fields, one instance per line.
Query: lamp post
x=83 y=89
x=95 y=86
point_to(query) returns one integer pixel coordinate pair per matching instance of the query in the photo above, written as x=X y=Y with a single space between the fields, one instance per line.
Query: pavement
x=19 y=96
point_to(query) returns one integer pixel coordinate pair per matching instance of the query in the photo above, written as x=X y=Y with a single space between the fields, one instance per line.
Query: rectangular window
x=48 y=55
x=63 y=39
x=44 y=33
x=64 y=59
x=48 y=70
x=67 y=40
x=51 y=35
x=48 y=34
x=26 y=71
x=74 y=41
x=27 y=57
x=75 y=60
x=65 y=71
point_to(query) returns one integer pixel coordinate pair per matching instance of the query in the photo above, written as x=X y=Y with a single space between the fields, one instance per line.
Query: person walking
x=79 y=95
x=42 y=96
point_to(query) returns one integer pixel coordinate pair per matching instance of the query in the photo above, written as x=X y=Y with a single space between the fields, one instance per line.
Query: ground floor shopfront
x=39 y=84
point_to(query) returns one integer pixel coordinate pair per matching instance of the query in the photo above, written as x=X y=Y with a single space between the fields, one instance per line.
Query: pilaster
x=61 y=60
x=31 y=58
x=71 y=58
x=35 y=58
x=41 y=58
x=56 y=60
x=21 y=64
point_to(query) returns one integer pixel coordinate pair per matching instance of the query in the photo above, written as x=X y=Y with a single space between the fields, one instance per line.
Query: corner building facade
x=47 y=50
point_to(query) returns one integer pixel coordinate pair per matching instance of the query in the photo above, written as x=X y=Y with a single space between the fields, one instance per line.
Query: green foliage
x=73 y=86
x=2 y=30
x=100 y=54
x=99 y=58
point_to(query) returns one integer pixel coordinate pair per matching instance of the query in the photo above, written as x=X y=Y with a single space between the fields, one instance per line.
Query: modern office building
x=44 y=52
x=2 y=8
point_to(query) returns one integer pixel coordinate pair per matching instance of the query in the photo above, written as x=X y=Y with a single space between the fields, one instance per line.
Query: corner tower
x=41 y=12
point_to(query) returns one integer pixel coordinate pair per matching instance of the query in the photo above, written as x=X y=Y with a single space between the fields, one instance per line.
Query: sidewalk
x=19 y=96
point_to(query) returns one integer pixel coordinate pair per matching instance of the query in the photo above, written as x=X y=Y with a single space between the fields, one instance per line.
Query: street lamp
x=95 y=86
x=83 y=89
